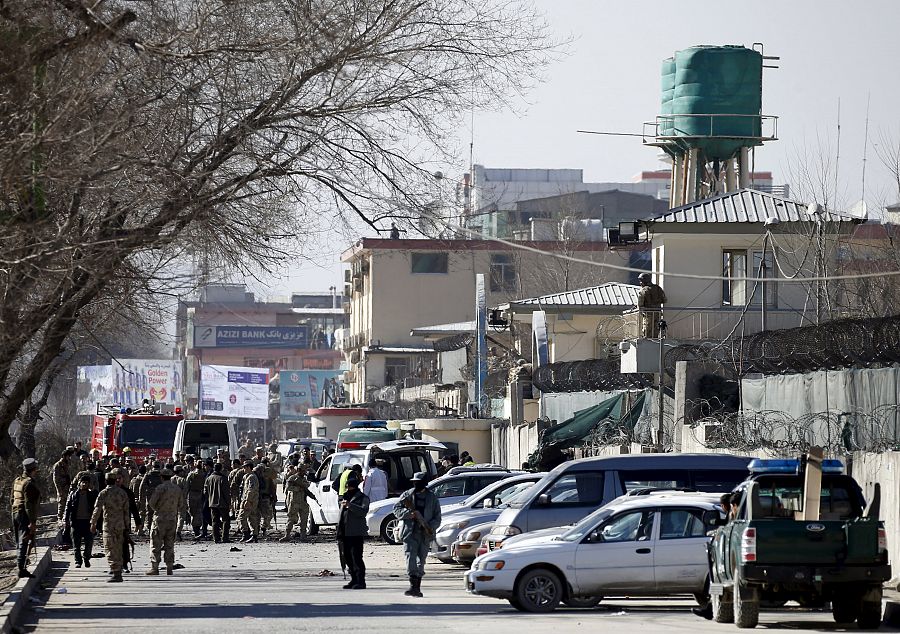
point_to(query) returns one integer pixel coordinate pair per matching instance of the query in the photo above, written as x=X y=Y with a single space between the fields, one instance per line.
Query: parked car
x=483 y=506
x=575 y=489
x=450 y=489
x=316 y=445
x=402 y=459
x=642 y=546
x=465 y=549
x=359 y=434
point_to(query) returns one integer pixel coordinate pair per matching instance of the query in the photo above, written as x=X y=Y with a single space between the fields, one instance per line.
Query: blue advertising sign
x=251 y=337
x=301 y=390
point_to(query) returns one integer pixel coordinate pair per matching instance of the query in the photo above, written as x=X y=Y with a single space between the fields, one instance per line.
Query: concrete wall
x=512 y=444
x=869 y=468
x=472 y=435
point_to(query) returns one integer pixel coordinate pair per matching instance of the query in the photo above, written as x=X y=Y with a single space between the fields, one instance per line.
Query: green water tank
x=667 y=85
x=718 y=80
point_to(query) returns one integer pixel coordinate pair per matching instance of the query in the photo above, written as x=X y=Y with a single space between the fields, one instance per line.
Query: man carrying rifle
x=420 y=513
x=26 y=503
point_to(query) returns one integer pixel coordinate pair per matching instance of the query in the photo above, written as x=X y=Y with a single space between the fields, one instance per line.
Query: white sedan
x=645 y=546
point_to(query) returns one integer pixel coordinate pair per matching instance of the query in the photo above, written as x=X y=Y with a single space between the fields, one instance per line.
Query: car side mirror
x=488 y=503
x=596 y=536
x=543 y=499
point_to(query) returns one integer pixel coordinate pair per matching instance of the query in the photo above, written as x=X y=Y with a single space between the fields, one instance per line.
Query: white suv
x=642 y=546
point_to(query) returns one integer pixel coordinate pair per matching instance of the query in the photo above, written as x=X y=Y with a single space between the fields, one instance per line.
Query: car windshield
x=148 y=432
x=585 y=526
x=512 y=493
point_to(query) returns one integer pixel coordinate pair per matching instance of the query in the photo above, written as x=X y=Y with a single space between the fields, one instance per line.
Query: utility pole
x=660 y=426
x=480 y=346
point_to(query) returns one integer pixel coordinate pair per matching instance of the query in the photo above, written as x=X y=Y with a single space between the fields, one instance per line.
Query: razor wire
x=832 y=345
x=781 y=434
x=587 y=375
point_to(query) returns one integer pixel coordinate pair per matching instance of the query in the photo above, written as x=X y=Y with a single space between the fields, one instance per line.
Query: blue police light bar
x=790 y=465
x=367 y=423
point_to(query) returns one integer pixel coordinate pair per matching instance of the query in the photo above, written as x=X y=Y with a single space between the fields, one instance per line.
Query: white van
x=203 y=438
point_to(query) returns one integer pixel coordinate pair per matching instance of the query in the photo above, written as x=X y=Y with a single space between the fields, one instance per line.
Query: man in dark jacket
x=79 y=508
x=420 y=512
x=218 y=496
x=352 y=531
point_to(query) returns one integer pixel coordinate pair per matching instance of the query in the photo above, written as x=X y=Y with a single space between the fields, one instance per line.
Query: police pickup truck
x=800 y=533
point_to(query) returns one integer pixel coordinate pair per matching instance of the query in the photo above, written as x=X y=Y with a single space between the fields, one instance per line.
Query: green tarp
x=576 y=430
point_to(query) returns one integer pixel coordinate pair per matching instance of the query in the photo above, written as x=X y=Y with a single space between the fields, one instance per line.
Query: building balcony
x=705 y=324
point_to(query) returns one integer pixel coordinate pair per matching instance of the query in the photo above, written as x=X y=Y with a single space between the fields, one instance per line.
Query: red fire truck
x=148 y=431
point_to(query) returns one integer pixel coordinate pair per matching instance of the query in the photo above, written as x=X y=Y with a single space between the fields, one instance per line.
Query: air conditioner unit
x=358 y=284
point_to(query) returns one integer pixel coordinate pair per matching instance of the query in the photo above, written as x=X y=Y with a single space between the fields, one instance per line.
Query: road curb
x=21 y=593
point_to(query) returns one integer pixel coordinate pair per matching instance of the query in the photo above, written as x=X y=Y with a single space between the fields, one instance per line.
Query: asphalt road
x=275 y=587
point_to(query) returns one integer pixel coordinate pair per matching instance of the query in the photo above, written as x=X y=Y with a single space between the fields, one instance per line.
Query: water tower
x=711 y=119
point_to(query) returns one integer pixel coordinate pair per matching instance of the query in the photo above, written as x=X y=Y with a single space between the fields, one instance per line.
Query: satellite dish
x=813 y=209
x=860 y=210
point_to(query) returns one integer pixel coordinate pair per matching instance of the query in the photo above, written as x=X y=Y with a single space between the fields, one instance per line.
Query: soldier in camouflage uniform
x=297 y=489
x=62 y=480
x=266 y=494
x=112 y=508
x=183 y=517
x=152 y=480
x=248 y=514
x=26 y=504
x=194 y=488
x=167 y=503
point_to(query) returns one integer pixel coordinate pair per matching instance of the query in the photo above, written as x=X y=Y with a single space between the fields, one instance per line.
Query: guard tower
x=711 y=119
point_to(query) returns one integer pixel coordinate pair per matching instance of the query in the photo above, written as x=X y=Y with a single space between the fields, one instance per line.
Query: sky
x=835 y=57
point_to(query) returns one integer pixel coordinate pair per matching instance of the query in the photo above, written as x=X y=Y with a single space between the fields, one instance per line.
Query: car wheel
x=387 y=529
x=845 y=610
x=538 y=590
x=746 y=605
x=313 y=528
x=582 y=602
x=870 y=612
x=515 y=603
x=723 y=607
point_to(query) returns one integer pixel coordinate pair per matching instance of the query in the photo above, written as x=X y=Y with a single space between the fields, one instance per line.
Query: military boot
x=116 y=577
x=411 y=592
x=24 y=574
x=169 y=571
x=153 y=571
x=416 y=586
x=286 y=538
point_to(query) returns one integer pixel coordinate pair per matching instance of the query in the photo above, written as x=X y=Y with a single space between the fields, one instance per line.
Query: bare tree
x=135 y=130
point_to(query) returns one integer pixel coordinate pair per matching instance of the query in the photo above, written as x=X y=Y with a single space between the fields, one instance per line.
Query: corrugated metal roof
x=746 y=205
x=452 y=329
x=610 y=294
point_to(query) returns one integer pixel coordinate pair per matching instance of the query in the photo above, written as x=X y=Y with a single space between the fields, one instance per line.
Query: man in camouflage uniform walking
x=248 y=515
x=297 y=507
x=194 y=487
x=167 y=503
x=152 y=480
x=183 y=516
x=62 y=480
x=235 y=478
x=26 y=505
x=112 y=508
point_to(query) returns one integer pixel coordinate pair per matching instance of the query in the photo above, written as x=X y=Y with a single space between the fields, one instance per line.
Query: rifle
x=408 y=503
x=342 y=556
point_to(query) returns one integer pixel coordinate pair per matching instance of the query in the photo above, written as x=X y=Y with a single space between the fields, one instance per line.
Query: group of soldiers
x=115 y=495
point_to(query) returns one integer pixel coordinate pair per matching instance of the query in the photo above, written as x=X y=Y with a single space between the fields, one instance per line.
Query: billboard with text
x=234 y=392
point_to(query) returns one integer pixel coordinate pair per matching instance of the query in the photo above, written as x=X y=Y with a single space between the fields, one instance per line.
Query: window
x=503 y=273
x=577 y=489
x=451 y=488
x=663 y=479
x=429 y=263
x=395 y=370
x=681 y=524
x=734 y=265
x=629 y=527
x=735 y=292
x=411 y=464
x=770 y=271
